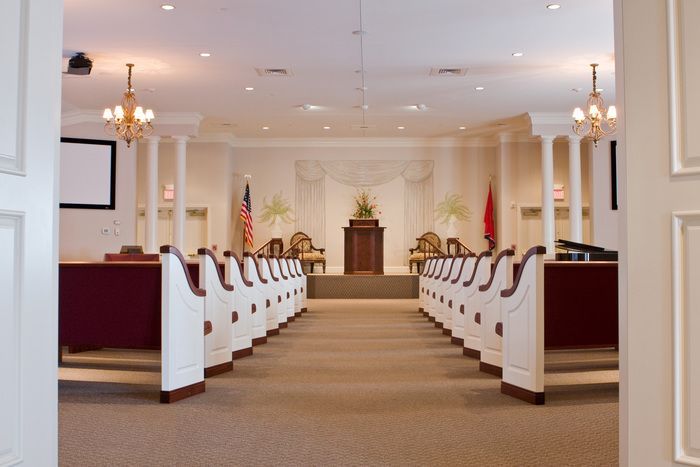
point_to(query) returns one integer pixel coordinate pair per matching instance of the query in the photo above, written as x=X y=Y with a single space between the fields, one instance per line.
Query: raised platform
x=351 y=286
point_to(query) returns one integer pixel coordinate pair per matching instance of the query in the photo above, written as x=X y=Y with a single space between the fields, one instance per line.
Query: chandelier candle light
x=599 y=121
x=129 y=121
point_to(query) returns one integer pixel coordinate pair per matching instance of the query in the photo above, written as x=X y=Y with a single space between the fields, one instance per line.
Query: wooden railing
x=272 y=247
x=294 y=249
x=460 y=248
x=430 y=249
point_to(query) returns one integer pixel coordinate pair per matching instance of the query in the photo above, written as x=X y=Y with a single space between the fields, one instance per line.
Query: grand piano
x=583 y=252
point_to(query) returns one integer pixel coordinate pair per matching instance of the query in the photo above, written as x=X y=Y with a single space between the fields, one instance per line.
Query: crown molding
x=343 y=142
x=80 y=116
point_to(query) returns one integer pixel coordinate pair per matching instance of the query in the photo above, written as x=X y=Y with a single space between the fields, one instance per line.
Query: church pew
x=219 y=306
x=431 y=286
x=182 y=325
x=303 y=282
x=282 y=300
x=469 y=300
x=554 y=305
x=288 y=281
x=422 y=282
x=439 y=290
x=262 y=321
x=277 y=288
x=453 y=299
x=297 y=286
x=490 y=357
x=444 y=312
x=247 y=305
x=254 y=270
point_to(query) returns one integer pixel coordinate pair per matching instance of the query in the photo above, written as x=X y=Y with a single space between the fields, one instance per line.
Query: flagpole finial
x=248 y=176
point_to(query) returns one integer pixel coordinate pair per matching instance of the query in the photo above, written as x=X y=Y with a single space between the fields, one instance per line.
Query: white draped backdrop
x=311 y=193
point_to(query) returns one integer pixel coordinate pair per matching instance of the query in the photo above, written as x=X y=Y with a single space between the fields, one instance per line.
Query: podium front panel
x=364 y=250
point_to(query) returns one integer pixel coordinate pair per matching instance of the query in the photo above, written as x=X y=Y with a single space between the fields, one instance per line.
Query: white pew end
x=470 y=305
x=455 y=300
x=261 y=319
x=242 y=339
x=523 y=330
x=182 y=330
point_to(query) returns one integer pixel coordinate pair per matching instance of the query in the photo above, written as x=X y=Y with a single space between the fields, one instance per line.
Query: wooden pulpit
x=364 y=247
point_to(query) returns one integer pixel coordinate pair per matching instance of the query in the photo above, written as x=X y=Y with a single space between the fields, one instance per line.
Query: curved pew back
x=501 y=278
x=218 y=308
x=445 y=310
x=261 y=321
x=288 y=282
x=271 y=301
x=456 y=300
x=523 y=330
x=182 y=328
x=244 y=300
x=472 y=305
x=303 y=281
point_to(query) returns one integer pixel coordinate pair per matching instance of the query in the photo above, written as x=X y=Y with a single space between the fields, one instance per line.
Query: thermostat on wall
x=168 y=192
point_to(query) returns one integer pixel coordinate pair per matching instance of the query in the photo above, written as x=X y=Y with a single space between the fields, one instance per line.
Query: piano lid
x=583 y=252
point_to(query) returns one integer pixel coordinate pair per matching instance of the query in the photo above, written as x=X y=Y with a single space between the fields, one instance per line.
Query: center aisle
x=350 y=382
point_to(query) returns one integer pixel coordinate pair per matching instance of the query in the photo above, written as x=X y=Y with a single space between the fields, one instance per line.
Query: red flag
x=489 y=228
x=247 y=217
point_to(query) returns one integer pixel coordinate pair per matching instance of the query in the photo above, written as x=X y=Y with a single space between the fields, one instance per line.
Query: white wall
x=80 y=237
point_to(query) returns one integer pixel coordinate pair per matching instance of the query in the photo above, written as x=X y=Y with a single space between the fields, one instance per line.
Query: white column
x=548 y=193
x=575 y=204
x=504 y=214
x=180 y=192
x=151 y=223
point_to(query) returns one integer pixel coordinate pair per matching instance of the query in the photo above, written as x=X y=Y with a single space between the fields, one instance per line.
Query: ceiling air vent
x=273 y=72
x=448 y=71
x=359 y=126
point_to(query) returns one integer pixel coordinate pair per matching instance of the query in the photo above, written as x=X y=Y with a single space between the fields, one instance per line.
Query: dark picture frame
x=106 y=175
x=613 y=175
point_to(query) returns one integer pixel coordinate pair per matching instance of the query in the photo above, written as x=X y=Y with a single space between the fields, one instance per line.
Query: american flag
x=247 y=217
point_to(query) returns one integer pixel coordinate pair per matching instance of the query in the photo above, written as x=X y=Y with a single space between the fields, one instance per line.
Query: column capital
x=575 y=139
x=180 y=138
x=152 y=139
x=504 y=138
x=548 y=139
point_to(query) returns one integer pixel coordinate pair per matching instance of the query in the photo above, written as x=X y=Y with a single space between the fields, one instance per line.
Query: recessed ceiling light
x=400 y=127
x=553 y=6
x=479 y=88
x=463 y=128
x=167 y=7
x=326 y=128
x=421 y=107
x=517 y=54
x=250 y=89
x=307 y=107
x=600 y=89
x=266 y=128
x=204 y=54
x=364 y=106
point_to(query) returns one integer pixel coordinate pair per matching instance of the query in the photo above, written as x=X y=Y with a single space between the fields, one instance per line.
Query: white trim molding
x=686 y=335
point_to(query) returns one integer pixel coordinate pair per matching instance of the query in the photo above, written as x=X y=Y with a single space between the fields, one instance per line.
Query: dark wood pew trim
x=452 y=265
x=447 y=332
x=438 y=324
x=237 y=260
x=501 y=255
x=461 y=268
x=490 y=369
x=208 y=328
x=248 y=254
x=484 y=254
x=467 y=352
x=429 y=265
x=457 y=341
x=535 y=250
x=273 y=332
x=269 y=266
x=297 y=314
x=168 y=397
x=477 y=317
x=536 y=398
x=304 y=310
x=449 y=304
x=260 y=340
x=234 y=317
x=236 y=354
x=289 y=268
x=461 y=309
x=218 y=369
x=442 y=267
x=499 y=329
x=279 y=262
x=283 y=324
x=171 y=249
x=420 y=309
x=209 y=253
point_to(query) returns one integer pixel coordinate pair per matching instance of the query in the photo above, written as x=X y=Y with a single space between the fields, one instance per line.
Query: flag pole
x=247 y=179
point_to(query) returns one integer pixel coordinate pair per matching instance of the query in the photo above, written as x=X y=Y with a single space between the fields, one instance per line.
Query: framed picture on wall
x=613 y=175
x=87 y=173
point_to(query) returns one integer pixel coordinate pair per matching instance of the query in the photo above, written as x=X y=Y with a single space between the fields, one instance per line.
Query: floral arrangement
x=366 y=206
x=452 y=208
x=278 y=208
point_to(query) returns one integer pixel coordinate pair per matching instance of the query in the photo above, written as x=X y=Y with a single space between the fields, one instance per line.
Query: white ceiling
x=314 y=40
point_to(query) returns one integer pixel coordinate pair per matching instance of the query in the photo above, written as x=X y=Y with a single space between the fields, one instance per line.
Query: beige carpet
x=352 y=382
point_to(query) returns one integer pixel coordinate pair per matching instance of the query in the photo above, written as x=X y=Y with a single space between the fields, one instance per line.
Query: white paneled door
x=657 y=74
x=30 y=53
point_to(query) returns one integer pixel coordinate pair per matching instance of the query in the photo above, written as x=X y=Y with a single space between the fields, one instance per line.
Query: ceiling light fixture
x=400 y=127
x=205 y=54
x=250 y=89
x=167 y=7
x=307 y=107
x=479 y=88
x=363 y=87
x=266 y=128
x=463 y=128
x=598 y=121
x=517 y=54
x=129 y=121
x=326 y=128
x=553 y=6
x=421 y=107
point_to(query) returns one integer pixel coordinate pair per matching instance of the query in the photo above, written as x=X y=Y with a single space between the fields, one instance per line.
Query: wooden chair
x=301 y=246
x=428 y=246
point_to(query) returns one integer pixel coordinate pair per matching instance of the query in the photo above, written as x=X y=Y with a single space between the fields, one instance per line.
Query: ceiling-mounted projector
x=79 y=64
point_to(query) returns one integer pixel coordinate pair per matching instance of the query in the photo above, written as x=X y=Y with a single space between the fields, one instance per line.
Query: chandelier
x=129 y=121
x=599 y=121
